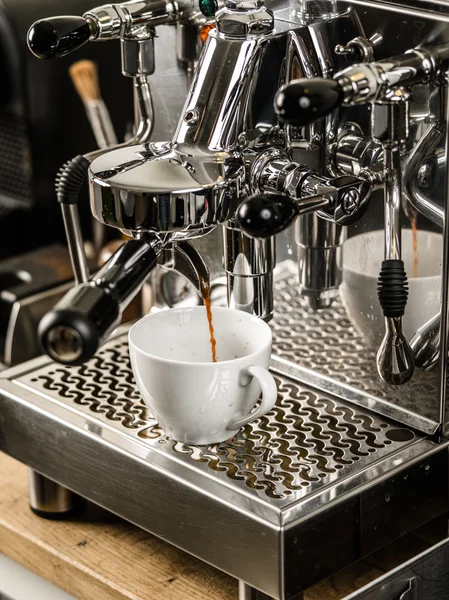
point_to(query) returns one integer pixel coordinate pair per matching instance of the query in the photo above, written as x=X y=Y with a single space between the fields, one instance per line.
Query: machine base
x=309 y=488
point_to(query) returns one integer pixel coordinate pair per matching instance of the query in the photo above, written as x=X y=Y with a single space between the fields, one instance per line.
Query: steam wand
x=395 y=362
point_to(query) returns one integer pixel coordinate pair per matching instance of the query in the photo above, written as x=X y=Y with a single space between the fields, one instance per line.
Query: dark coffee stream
x=205 y=288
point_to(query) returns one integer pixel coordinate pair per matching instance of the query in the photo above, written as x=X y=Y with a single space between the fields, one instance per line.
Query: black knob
x=304 y=101
x=267 y=214
x=58 y=36
x=73 y=331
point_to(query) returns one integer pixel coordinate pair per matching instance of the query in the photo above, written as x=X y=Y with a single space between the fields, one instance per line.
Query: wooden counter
x=113 y=560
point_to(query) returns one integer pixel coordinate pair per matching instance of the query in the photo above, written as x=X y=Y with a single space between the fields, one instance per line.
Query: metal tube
x=100 y=121
x=395 y=361
x=393 y=195
x=320 y=254
x=445 y=278
x=72 y=224
x=144 y=111
x=249 y=265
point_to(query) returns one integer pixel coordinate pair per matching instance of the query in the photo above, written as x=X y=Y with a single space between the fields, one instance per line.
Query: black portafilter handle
x=304 y=101
x=58 y=36
x=77 y=326
x=266 y=215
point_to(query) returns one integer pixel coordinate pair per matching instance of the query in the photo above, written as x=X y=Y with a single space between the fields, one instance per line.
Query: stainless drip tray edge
x=351 y=394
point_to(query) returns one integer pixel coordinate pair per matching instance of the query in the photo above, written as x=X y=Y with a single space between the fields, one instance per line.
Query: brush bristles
x=84 y=74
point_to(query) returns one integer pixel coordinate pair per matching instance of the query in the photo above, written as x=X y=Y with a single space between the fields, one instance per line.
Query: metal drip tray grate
x=308 y=441
x=324 y=350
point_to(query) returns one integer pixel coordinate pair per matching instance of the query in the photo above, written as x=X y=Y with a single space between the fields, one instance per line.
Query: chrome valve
x=57 y=36
x=343 y=200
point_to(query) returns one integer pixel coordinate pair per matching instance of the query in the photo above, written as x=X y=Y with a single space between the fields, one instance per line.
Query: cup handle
x=269 y=397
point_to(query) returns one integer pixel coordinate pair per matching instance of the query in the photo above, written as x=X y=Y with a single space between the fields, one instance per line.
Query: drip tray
x=311 y=487
x=323 y=349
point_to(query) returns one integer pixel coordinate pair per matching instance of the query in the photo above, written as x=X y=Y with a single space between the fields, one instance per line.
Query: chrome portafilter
x=395 y=361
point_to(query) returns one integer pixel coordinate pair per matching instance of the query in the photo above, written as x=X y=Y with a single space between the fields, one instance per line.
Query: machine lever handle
x=265 y=215
x=82 y=320
x=58 y=36
x=303 y=101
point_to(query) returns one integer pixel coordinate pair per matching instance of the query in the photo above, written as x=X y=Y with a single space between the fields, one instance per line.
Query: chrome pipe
x=72 y=225
x=393 y=196
x=249 y=264
x=395 y=360
x=443 y=332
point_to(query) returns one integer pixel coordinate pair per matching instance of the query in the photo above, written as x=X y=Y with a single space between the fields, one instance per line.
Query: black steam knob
x=58 y=36
x=266 y=215
x=304 y=101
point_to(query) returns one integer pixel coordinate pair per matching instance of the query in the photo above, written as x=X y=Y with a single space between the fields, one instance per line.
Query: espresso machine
x=318 y=115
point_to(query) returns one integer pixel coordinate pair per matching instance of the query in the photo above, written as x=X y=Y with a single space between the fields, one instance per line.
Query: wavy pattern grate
x=308 y=440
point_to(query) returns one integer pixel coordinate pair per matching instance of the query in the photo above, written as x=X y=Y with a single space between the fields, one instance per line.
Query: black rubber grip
x=392 y=288
x=58 y=36
x=70 y=179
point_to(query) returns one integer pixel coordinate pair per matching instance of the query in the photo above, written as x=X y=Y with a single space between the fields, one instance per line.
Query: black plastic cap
x=58 y=36
x=265 y=215
x=393 y=288
x=304 y=101
x=68 y=336
x=74 y=330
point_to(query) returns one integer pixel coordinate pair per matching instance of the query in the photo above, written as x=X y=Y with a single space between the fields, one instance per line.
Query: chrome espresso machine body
x=329 y=115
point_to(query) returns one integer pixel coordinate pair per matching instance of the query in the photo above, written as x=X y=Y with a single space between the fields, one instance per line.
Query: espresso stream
x=205 y=287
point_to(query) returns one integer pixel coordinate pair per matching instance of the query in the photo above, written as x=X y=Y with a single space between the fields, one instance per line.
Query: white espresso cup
x=195 y=400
